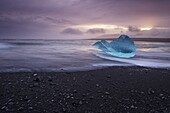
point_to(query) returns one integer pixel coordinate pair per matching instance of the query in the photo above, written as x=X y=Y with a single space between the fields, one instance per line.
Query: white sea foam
x=5 y=45
x=145 y=62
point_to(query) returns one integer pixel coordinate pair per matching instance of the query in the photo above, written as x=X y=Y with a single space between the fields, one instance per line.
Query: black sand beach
x=109 y=90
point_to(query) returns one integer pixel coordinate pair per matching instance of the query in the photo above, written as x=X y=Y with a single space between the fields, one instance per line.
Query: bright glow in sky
x=94 y=26
x=145 y=28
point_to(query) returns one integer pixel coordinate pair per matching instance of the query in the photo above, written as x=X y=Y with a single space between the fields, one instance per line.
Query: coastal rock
x=107 y=93
x=30 y=108
x=35 y=74
x=108 y=76
x=74 y=91
x=20 y=109
x=123 y=47
x=151 y=91
x=4 y=108
x=80 y=102
x=97 y=85
x=37 y=79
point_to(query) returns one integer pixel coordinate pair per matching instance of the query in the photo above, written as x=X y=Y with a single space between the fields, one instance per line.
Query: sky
x=83 y=19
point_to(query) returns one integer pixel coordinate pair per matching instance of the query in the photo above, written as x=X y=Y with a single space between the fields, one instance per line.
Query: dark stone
x=37 y=79
x=20 y=109
x=108 y=76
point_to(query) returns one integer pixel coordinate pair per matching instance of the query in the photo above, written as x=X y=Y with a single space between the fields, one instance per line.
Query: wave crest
x=144 y=62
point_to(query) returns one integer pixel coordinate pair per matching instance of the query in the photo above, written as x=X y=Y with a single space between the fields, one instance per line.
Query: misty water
x=74 y=55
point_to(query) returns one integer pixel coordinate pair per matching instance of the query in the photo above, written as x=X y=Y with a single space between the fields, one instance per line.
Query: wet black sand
x=110 y=90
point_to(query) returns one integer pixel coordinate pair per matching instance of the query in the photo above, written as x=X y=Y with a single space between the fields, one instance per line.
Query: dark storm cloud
x=72 y=31
x=31 y=17
x=133 y=29
x=153 y=33
x=96 y=31
x=34 y=19
x=58 y=21
x=124 y=12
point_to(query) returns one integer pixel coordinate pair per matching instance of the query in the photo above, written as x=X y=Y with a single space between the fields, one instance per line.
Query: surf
x=137 y=61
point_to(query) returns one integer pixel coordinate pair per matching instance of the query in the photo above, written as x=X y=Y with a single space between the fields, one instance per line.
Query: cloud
x=97 y=11
x=58 y=21
x=96 y=31
x=108 y=36
x=72 y=31
x=133 y=29
x=161 y=33
x=123 y=12
x=52 y=16
x=31 y=26
x=34 y=18
x=153 y=33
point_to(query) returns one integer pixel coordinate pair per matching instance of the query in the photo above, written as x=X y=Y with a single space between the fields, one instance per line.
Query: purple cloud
x=46 y=17
x=96 y=31
x=72 y=31
x=133 y=29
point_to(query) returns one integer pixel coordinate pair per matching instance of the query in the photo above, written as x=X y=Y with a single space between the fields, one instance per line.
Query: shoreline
x=62 y=70
x=107 y=90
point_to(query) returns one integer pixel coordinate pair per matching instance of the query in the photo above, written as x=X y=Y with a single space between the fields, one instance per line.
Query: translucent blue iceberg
x=123 y=47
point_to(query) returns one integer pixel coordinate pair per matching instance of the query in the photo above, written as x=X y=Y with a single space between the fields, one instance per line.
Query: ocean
x=75 y=55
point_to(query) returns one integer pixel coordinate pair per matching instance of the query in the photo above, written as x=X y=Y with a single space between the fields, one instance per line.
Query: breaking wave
x=144 y=59
x=4 y=45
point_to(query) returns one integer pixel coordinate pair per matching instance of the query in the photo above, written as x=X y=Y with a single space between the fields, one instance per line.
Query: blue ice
x=123 y=47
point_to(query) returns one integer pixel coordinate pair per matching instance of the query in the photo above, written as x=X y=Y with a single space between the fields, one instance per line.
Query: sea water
x=74 y=55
